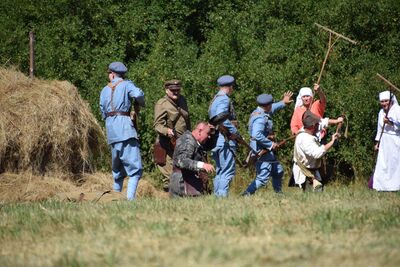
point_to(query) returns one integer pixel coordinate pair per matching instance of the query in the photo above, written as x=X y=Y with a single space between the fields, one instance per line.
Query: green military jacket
x=168 y=114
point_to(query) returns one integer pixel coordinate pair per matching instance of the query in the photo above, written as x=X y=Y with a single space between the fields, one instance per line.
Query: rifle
x=241 y=141
x=134 y=115
x=283 y=142
x=253 y=157
x=217 y=121
x=238 y=138
x=278 y=145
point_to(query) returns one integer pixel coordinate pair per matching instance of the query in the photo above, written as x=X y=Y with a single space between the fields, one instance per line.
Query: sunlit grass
x=348 y=226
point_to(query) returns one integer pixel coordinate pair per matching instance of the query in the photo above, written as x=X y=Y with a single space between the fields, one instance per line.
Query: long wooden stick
x=31 y=54
x=393 y=87
x=330 y=46
x=328 y=52
x=335 y=33
x=387 y=82
x=386 y=116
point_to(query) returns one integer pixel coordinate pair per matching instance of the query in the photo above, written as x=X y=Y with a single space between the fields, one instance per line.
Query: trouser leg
x=118 y=170
x=226 y=162
x=176 y=186
x=215 y=157
x=132 y=162
x=166 y=172
x=264 y=170
x=277 y=174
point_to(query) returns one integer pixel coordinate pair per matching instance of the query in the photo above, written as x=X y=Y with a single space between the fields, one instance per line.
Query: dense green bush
x=269 y=46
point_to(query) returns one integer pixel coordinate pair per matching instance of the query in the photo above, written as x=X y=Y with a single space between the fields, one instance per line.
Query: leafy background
x=269 y=46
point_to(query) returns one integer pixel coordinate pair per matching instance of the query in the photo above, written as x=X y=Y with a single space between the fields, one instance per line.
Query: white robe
x=387 y=169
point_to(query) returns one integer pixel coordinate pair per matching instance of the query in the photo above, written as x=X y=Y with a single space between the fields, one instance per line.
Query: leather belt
x=116 y=113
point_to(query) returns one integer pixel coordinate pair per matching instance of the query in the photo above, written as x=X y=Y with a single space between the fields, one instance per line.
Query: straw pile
x=45 y=127
x=24 y=187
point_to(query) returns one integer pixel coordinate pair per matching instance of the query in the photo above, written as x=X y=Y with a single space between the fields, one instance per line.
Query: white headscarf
x=385 y=95
x=303 y=91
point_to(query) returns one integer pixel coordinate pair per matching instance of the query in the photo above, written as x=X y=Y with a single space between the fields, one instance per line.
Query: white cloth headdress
x=303 y=91
x=385 y=95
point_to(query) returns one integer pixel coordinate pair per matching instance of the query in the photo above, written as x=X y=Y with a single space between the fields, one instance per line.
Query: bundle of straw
x=46 y=127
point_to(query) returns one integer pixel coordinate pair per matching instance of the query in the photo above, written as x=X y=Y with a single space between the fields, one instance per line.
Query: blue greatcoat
x=121 y=133
x=223 y=153
x=260 y=126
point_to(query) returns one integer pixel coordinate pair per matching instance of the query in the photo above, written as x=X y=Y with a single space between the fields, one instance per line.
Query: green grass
x=346 y=226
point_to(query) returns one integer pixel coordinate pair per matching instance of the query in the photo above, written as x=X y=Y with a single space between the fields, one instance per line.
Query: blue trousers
x=126 y=161
x=265 y=170
x=225 y=169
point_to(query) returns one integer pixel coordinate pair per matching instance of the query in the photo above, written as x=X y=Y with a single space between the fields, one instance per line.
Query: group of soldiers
x=184 y=165
x=180 y=151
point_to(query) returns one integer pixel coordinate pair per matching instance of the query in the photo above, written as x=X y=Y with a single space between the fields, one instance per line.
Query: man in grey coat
x=189 y=161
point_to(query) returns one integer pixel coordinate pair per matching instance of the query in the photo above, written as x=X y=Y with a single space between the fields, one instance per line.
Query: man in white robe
x=308 y=153
x=387 y=169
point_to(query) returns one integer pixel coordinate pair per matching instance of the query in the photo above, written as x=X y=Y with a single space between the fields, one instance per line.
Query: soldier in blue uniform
x=223 y=153
x=117 y=108
x=260 y=129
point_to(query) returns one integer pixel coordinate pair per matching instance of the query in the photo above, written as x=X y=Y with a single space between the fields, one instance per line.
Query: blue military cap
x=117 y=67
x=264 y=99
x=225 y=80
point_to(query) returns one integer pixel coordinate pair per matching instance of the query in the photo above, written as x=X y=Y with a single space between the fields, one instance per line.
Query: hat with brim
x=173 y=85
x=226 y=80
x=117 y=67
x=264 y=99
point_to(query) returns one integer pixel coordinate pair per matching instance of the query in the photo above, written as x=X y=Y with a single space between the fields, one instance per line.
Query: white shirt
x=309 y=151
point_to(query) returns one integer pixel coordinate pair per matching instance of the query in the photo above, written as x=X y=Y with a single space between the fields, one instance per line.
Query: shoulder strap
x=212 y=101
x=113 y=86
x=181 y=112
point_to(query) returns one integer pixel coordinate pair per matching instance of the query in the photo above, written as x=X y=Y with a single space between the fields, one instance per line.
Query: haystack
x=46 y=127
x=25 y=187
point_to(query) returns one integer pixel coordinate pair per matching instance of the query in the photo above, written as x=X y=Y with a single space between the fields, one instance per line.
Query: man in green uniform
x=171 y=120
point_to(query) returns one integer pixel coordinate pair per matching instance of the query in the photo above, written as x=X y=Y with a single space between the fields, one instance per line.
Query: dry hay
x=28 y=187
x=45 y=127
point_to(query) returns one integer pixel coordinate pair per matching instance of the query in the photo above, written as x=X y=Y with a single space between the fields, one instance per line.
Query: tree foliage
x=269 y=46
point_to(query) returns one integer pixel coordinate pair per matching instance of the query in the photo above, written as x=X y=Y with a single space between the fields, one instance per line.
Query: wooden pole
x=387 y=82
x=393 y=87
x=335 y=33
x=328 y=52
x=31 y=54
x=330 y=46
x=386 y=116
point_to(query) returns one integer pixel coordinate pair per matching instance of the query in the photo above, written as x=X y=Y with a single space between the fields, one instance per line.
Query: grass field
x=343 y=226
